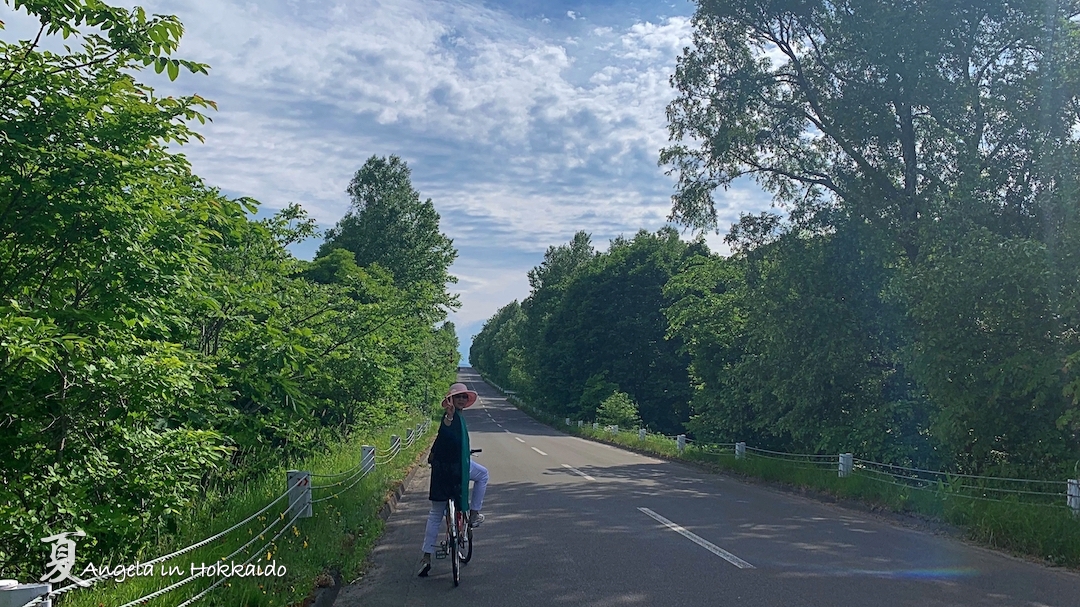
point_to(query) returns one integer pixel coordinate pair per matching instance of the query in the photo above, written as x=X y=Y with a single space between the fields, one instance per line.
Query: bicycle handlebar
x=472 y=451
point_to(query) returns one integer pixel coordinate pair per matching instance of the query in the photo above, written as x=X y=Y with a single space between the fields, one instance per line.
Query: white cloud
x=657 y=41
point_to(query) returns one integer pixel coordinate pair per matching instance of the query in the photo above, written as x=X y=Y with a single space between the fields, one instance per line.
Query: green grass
x=1044 y=531
x=337 y=538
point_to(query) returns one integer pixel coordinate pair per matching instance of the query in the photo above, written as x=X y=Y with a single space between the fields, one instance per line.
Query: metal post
x=580 y=423
x=408 y=436
x=298 y=482
x=367 y=458
x=595 y=426
x=395 y=442
x=845 y=465
x=615 y=429
x=641 y=434
x=680 y=442
x=568 y=421
x=740 y=450
x=1074 y=495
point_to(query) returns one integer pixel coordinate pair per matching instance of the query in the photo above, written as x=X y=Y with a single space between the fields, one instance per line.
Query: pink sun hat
x=461 y=389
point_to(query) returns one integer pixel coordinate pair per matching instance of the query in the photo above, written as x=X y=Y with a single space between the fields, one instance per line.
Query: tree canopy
x=387 y=224
x=898 y=112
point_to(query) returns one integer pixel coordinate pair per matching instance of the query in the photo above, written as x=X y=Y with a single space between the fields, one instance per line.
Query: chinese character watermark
x=62 y=558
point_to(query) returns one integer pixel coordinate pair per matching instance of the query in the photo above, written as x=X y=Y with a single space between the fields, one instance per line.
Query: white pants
x=479 y=476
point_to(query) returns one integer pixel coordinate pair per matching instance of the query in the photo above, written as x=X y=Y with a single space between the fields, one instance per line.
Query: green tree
x=793 y=347
x=898 y=111
x=496 y=350
x=609 y=320
x=548 y=282
x=618 y=409
x=389 y=225
x=596 y=390
x=995 y=329
x=104 y=235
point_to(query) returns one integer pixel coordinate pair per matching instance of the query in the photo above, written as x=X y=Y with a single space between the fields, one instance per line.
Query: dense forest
x=914 y=297
x=155 y=337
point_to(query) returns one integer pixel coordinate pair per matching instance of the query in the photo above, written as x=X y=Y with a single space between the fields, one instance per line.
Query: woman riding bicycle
x=449 y=456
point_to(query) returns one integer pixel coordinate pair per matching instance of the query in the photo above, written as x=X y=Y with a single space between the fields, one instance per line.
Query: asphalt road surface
x=572 y=522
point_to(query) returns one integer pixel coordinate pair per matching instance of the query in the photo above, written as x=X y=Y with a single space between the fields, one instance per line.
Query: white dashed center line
x=700 y=541
x=578 y=472
x=518 y=439
x=537 y=450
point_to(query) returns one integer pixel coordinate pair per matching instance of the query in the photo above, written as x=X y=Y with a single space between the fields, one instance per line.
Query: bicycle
x=458 y=544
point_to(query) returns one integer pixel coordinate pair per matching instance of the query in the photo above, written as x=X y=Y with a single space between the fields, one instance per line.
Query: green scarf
x=465 y=464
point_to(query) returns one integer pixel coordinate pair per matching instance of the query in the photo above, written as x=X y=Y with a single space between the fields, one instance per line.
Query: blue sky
x=524 y=121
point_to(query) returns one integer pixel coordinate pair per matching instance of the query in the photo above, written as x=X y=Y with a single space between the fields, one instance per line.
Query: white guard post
x=1074 y=495
x=595 y=426
x=680 y=442
x=845 y=465
x=568 y=421
x=740 y=450
x=641 y=434
x=615 y=429
x=14 y=594
x=298 y=483
x=367 y=458
x=580 y=423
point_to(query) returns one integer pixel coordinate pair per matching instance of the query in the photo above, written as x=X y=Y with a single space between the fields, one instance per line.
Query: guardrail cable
x=249 y=559
x=877 y=476
x=333 y=495
x=171 y=587
x=976 y=476
x=785 y=454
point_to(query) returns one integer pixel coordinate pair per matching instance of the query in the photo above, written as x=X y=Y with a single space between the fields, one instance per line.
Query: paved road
x=572 y=522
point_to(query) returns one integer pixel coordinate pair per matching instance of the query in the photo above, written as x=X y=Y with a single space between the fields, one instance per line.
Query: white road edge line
x=518 y=439
x=700 y=541
x=578 y=472
x=537 y=450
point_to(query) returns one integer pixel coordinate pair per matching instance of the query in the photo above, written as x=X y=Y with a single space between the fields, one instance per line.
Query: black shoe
x=425 y=565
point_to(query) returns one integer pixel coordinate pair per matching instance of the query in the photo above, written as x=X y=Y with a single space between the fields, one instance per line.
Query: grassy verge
x=336 y=539
x=1045 y=531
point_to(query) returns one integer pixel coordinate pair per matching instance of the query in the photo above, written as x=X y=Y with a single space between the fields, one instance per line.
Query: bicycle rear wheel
x=465 y=540
x=453 y=547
